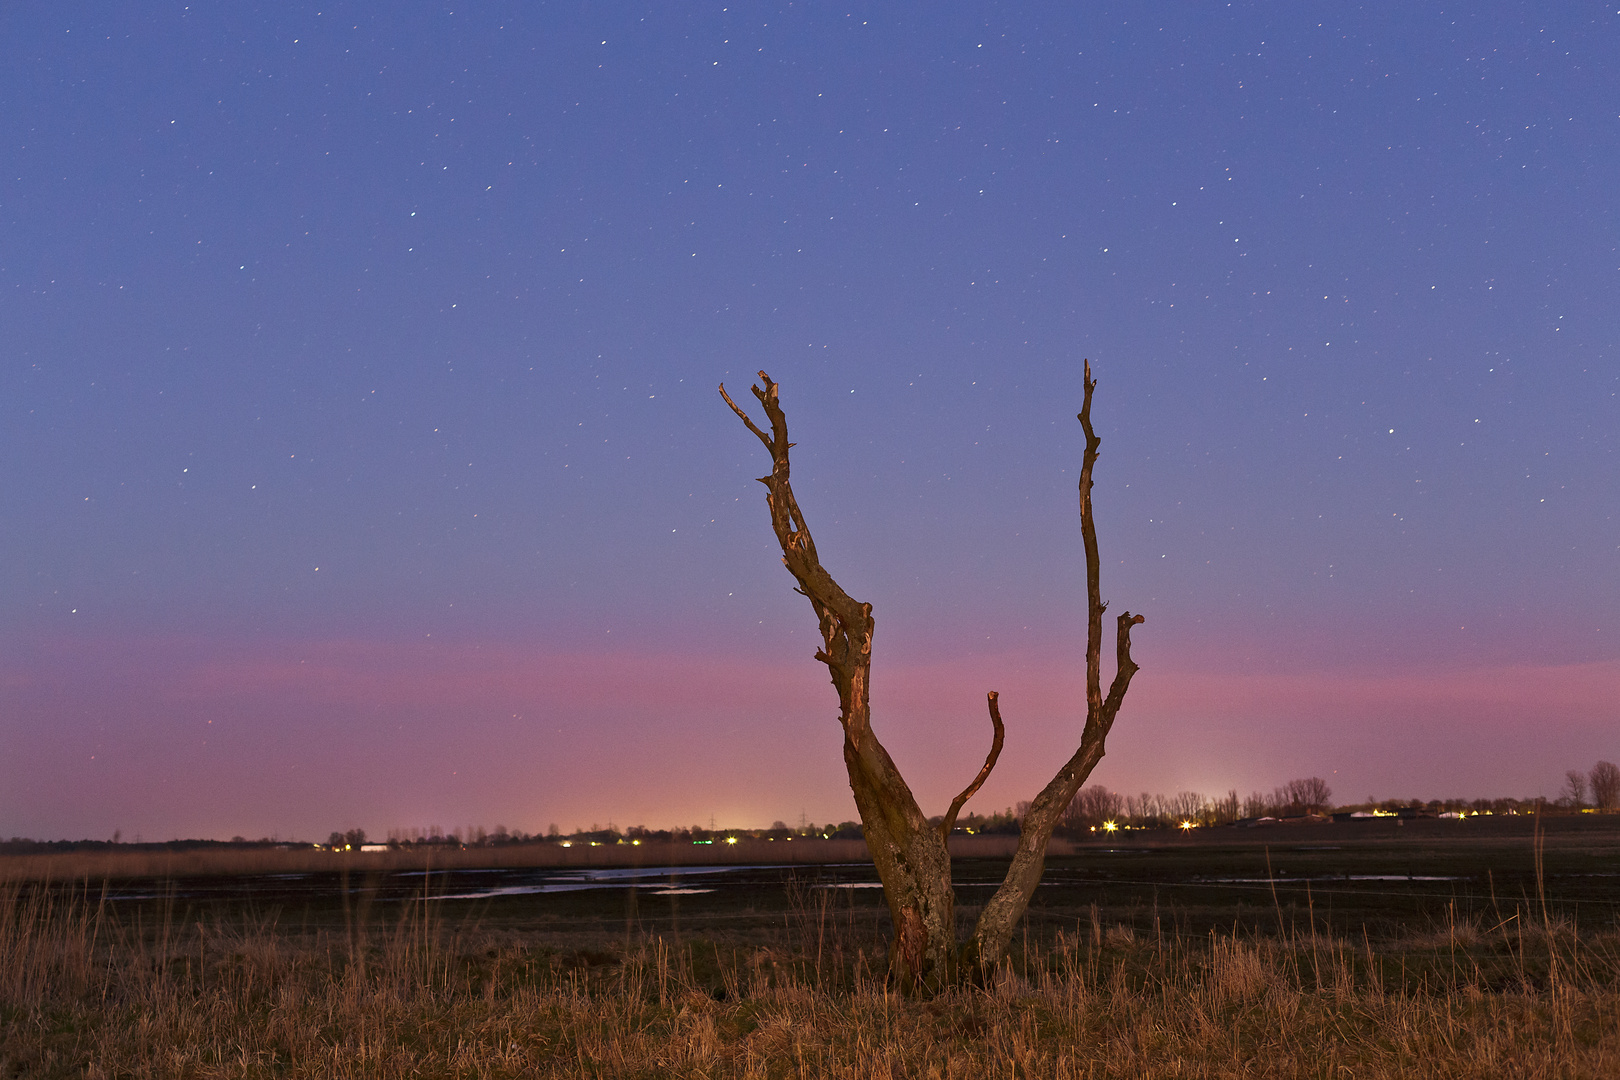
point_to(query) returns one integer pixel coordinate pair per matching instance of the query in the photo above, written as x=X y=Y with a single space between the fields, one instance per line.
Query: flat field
x=1433 y=948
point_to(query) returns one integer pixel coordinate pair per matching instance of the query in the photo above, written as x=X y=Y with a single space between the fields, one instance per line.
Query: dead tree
x=910 y=855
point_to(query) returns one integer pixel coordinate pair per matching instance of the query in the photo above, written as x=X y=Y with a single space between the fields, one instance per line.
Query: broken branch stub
x=996 y=740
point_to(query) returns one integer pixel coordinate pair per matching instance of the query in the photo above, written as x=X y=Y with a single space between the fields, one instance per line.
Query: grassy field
x=1410 y=954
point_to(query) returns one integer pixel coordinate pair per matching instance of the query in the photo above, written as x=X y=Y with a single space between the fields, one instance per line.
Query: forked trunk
x=911 y=856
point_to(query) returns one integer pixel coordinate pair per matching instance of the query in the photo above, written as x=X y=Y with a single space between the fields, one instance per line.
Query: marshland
x=1430 y=948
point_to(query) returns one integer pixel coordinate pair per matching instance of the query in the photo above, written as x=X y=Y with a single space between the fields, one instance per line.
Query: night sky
x=363 y=464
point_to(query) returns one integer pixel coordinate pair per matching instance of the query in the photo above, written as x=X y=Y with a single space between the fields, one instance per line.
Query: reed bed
x=86 y=992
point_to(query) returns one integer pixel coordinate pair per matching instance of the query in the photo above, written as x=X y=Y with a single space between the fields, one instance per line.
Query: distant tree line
x=1092 y=807
x=1602 y=784
x=1095 y=807
x=479 y=836
x=1004 y=822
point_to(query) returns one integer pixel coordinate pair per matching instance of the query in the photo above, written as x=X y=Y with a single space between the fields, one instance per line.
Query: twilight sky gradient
x=363 y=463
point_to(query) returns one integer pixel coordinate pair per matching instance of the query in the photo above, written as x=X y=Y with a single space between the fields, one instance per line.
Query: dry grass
x=83 y=993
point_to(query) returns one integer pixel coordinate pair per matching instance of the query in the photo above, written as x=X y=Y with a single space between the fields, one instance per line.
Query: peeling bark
x=911 y=858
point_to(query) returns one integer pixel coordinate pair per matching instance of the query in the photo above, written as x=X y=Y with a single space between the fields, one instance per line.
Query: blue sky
x=388 y=343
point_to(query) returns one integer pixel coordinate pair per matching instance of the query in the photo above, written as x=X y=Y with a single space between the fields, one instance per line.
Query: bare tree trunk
x=911 y=858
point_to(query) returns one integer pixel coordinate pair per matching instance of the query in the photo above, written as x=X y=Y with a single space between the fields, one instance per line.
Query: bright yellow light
x=731 y=839
x=635 y=843
x=567 y=843
x=1186 y=825
x=1110 y=826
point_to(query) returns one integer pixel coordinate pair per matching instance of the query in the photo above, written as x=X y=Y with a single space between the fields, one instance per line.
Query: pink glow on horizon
x=327 y=732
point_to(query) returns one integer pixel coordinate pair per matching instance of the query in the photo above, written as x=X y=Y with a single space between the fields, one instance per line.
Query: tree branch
x=764 y=438
x=978 y=781
x=993 y=931
x=1126 y=668
x=845 y=623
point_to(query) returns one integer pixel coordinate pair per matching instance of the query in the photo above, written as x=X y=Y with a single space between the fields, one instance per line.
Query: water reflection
x=658 y=879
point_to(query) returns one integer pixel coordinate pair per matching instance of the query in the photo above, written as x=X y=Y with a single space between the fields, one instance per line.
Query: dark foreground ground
x=1443 y=949
x=1377 y=878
